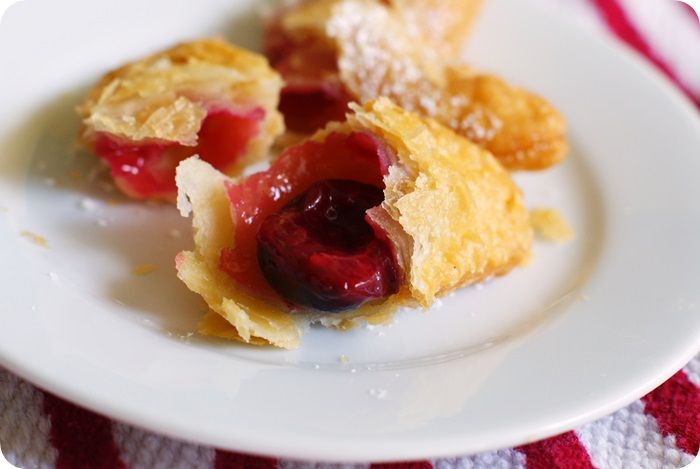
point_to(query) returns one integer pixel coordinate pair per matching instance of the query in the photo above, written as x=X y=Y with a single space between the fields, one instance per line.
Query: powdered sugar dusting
x=378 y=57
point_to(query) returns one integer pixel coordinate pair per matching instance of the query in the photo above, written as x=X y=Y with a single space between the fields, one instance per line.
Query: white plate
x=584 y=329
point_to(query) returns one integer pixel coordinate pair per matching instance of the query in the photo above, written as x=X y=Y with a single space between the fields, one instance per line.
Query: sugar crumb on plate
x=378 y=393
x=87 y=205
x=35 y=238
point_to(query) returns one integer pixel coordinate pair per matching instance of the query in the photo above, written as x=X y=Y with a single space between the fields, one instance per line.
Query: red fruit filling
x=147 y=170
x=313 y=95
x=310 y=106
x=319 y=251
x=310 y=229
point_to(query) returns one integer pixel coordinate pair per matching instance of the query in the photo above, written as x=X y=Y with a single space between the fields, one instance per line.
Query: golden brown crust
x=250 y=319
x=166 y=96
x=451 y=210
x=522 y=129
x=462 y=213
x=440 y=26
x=377 y=55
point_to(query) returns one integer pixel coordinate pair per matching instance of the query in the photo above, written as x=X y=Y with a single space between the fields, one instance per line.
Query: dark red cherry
x=309 y=107
x=320 y=252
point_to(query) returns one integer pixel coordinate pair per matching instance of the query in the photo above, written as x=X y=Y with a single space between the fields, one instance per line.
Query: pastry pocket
x=205 y=97
x=332 y=52
x=441 y=26
x=383 y=210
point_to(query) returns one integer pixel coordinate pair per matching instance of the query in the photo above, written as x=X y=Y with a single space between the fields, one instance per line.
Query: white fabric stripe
x=309 y=465
x=671 y=34
x=25 y=441
x=142 y=450
x=693 y=371
x=579 y=11
x=631 y=439
x=503 y=459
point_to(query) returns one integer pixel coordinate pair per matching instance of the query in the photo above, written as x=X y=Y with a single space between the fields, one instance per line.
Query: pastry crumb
x=550 y=225
x=35 y=238
x=143 y=269
x=87 y=205
x=346 y=325
x=344 y=359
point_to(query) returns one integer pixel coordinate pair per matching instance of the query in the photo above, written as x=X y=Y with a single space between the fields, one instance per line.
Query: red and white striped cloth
x=661 y=430
x=38 y=430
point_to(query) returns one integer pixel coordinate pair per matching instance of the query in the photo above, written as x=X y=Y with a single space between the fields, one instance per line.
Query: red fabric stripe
x=229 y=460
x=403 y=465
x=617 y=20
x=82 y=439
x=561 y=452
x=676 y=407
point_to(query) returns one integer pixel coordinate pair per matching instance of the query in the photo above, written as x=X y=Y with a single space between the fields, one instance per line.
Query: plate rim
x=444 y=447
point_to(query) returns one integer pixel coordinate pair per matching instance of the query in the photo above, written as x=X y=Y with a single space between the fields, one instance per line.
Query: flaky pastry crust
x=166 y=96
x=378 y=55
x=451 y=210
x=440 y=26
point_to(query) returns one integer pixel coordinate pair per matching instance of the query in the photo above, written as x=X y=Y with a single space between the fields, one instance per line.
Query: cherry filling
x=319 y=251
x=309 y=107
x=313 y=95
x=147 y=170
x=300 y=227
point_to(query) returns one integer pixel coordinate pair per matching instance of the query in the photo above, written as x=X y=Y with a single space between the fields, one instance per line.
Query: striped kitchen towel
x=38 y=430
x=661 y=430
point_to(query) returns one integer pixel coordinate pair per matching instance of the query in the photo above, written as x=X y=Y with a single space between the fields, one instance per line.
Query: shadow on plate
x=72 y=194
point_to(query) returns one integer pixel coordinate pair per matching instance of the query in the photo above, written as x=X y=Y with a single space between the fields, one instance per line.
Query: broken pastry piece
x=332 y=52
x=205 y=97
x=383 y=210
